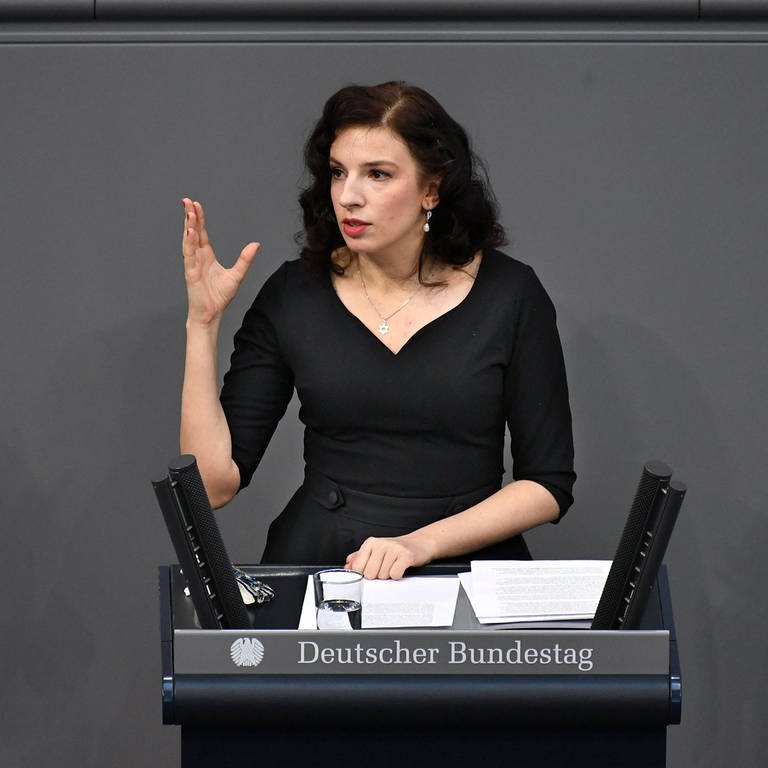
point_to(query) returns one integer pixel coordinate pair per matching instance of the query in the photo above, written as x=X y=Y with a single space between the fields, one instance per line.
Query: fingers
x=189 y=245
x=374 y=560
x=381 y=559
x=196 y=236
x=356 y=561
x=200 y=217
x=190 y=215
x=350 y=557
x=392 y=565
x=191 y=237
x=398 y=568
x=194 y=217
x=244 y=261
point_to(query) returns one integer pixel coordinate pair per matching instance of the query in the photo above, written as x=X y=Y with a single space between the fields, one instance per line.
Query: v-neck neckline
x=377 y=338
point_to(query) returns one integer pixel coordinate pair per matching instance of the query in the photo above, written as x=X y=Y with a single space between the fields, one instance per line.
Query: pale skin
x=380 y=198
x=210 y=289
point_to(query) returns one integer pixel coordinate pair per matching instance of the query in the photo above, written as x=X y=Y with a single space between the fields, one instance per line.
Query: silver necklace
x=384 y=324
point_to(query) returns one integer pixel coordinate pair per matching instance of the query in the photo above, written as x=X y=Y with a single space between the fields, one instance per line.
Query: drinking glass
x=338 y=598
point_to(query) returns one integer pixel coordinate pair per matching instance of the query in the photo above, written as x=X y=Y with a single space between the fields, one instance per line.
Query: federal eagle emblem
x=246 y=652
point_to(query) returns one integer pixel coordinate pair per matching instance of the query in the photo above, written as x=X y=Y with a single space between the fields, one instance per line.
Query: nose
x=349 y=193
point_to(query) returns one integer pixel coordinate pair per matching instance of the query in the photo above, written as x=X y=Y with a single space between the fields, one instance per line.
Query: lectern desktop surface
x=289 y=583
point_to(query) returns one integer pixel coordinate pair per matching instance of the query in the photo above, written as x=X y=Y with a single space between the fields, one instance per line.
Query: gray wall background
x=631 y=175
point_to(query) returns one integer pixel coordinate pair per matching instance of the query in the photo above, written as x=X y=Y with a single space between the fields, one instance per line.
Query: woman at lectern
x=411 y=342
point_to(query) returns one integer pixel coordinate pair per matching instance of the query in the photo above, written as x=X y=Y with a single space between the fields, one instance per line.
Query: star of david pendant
x=383 y=328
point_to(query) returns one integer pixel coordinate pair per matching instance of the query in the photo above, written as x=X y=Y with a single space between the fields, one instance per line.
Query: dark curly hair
x=465 y=220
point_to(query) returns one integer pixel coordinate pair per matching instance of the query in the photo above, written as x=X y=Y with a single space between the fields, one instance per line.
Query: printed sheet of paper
x=503 y=591
x=415 y=601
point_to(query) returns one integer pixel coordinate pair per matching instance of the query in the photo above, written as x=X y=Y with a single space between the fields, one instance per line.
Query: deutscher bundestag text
x=455 y=652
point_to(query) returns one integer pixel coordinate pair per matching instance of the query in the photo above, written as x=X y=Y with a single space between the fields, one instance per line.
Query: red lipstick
x=354 y=227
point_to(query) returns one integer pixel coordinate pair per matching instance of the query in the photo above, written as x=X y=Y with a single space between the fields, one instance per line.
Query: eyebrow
x=372 y=164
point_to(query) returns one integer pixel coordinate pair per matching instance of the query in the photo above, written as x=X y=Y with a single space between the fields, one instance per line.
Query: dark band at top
x=380 y=10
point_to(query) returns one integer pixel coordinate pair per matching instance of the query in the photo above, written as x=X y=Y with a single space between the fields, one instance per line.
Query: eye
x=378 y=174
x=336 y=172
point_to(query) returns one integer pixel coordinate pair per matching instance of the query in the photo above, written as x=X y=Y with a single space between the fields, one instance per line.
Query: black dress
x=395 y=441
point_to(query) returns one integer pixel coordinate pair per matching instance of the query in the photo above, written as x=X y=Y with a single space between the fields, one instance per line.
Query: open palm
x=210 y=286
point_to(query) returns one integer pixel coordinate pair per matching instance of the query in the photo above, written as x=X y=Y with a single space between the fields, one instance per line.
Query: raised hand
x=210 y=286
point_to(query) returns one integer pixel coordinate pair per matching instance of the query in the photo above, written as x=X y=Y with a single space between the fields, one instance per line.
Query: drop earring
x=426 y=223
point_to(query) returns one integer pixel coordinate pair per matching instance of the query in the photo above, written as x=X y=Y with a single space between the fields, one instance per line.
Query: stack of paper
x=506 y=591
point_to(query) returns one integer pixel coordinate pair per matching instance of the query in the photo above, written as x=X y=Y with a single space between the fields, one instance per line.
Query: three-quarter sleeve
x=258 y=385
x=536 y=397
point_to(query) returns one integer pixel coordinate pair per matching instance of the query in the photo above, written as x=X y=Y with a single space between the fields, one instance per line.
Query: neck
x=389 y=273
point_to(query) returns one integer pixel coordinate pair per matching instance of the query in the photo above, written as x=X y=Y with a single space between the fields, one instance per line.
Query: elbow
x=220 y=486
x=219 y=500
x=550 y=506
x=544 y=505
x=555 y=493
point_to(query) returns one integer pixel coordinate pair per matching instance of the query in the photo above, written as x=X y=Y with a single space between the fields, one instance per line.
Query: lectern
x=467 y=695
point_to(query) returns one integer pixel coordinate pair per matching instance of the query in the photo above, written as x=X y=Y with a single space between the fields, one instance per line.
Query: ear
x=432 y=194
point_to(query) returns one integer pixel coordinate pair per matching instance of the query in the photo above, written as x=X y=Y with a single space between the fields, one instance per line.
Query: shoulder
x=291 y=293
x=509 y=275
x=290 y=279
x=289 y=274
x=503 y=264
x=518 y=297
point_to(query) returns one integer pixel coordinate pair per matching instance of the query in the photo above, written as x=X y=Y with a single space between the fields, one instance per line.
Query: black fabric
x=325 y=521
x=425 y=423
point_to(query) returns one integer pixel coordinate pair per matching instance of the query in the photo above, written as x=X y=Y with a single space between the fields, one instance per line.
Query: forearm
x=514 y=509
x=204 y=429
